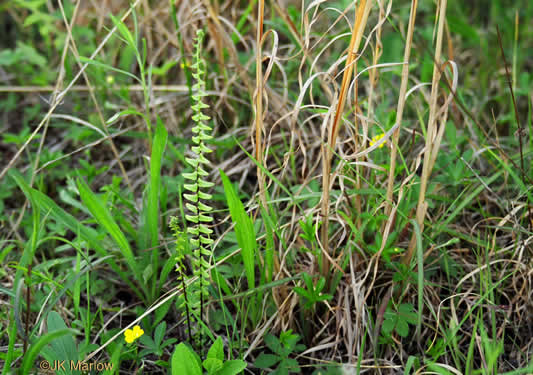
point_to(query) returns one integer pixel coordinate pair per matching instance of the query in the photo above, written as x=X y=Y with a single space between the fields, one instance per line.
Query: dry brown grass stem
x=430 y=149
x=400 y=107
x=373 y=77
x=361 y=17
x=259 y=103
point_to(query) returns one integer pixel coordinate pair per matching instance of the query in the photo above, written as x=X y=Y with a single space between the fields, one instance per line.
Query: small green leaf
x=407 y=313
x=126 y=112
x=273 y=343
x=216 y=350
x=212 y=365
x=232 y=367
x=320 y=285
x=147 y=273
x=123 y=30
x=389 y=323
x=264 y=360
x=159 y=333
x=402 y=328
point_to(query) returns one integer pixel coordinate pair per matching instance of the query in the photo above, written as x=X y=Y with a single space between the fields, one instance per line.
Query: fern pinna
x=198 y=215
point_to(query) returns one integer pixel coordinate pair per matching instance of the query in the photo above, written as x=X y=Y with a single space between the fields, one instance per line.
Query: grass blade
x=49 y=207
x=104 y=218
x=158 y=147
x=99 y=64
x=420 y=261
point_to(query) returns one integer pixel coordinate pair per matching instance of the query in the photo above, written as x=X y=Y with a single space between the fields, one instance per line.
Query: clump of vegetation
x=345 y=194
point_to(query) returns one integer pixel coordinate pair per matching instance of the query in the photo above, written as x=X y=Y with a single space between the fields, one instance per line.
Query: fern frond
x=181 y=246
x=198 y=210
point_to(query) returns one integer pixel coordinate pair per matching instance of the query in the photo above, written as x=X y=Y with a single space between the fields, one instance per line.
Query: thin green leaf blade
x=104 y=218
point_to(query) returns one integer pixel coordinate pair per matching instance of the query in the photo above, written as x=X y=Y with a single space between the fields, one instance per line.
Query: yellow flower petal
x=128 y=336
x=137 y=332
x=376 y=139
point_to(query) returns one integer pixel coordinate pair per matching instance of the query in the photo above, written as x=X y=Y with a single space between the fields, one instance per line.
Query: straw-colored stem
x=357 y=198
x=361 y=17
x=400 y=107
x=259 y=103
x=431 y=132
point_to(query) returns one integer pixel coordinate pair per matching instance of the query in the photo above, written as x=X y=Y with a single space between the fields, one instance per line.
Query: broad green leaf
x=184 y=362
x=410 y=362
x=37 y=347
x=63 y=347
x=147 y=273
x=273 y=343
x=244 y=229
x=389 y=323
x=407 y=313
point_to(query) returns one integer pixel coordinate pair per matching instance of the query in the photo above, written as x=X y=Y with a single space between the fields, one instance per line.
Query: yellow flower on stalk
x=376 y=139
x=133 y=334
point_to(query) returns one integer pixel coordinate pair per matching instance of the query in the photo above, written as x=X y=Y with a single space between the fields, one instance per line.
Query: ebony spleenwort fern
x=181 y=249
x=198 y=215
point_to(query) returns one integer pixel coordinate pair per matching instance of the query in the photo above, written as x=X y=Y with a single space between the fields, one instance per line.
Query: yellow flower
x=376 y=139
x=133 y=334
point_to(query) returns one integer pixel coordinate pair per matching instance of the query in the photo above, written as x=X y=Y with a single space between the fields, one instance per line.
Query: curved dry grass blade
x=259 y=84
x=431 y=132
x=401 y=103
x=361 y=18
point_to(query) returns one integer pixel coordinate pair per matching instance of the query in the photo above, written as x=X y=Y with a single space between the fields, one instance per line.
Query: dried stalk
x=361 y=18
